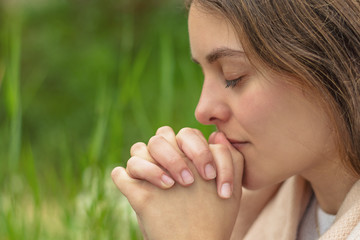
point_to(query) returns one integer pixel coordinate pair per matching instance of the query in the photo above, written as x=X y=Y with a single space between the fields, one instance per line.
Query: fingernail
x=167 y=181
x=225 y=190
x=187 y=177
x=210 y=172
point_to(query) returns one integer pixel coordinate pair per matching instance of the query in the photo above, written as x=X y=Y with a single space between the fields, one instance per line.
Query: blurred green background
x=80 y=82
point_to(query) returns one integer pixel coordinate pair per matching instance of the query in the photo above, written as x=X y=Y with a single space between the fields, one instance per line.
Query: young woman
x=281 y=84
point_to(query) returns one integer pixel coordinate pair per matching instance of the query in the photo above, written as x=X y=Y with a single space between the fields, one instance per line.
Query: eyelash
x=232 y=83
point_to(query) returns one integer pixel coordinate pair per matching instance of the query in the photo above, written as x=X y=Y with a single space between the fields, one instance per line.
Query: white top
x=355 y=234
x=314 y=221
x=325 y=220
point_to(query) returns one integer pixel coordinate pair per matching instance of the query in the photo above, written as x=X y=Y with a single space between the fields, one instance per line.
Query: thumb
x=132 y=188
x=238 y=159
x=219 y=138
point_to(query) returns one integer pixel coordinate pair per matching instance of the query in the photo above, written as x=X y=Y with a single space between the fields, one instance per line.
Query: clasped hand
x=173 y=181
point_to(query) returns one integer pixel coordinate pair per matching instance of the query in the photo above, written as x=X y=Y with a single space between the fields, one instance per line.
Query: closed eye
x=232 y=83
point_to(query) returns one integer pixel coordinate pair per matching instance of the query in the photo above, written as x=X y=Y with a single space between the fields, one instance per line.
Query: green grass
x=80 y=82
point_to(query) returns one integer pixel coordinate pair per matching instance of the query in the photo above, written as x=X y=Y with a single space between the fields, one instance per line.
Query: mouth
x=239 y=145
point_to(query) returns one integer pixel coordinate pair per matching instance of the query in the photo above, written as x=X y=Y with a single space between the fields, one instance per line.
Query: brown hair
x=317 y=42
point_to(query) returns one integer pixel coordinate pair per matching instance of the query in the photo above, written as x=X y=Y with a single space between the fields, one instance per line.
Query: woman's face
x=280 y=130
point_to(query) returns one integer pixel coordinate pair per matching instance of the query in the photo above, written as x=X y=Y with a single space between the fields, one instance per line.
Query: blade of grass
x=129 y=85
x=131 y=82
x=166 y=79
x=2 y=73
x=140 y=115
x=12 y=91
x=127 y=46
x=137 y=73
x=102 y=111
x=31 y=172
x=116 y=122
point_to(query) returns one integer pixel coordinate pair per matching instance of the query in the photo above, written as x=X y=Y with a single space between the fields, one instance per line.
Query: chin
x=248 y=186
x=251 y=183
x=256 y=182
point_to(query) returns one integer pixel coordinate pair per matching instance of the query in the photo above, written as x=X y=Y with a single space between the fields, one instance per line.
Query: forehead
x=209 y=31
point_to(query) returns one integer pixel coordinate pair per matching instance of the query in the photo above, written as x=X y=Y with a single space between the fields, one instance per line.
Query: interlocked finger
x=140 y=149
x=140 y=168
x=194 y=145
x=169 y=134
x=168 y=157
x=228 y=171
x=224 y=166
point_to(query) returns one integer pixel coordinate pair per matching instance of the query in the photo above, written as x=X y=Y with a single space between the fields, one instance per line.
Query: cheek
x=289 y=134
x=255 y=110
x=277 y=113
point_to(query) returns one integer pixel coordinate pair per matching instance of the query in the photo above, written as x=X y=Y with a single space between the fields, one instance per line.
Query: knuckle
x=183 y=134
x=172 y=160
x=155 y=139
x=164 y=129
x=118 y=178
x=227 y=171
x=137 y=146
x=220 y=148
x=227 y=178
x=175 y=162
x=132 y=164
x=114 y=173
x=185 y=131
x=203 y=154
x=197 y=131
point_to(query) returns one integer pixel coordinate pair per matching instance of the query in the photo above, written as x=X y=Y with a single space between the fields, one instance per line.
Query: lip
x=232 y=141
x=239 y=145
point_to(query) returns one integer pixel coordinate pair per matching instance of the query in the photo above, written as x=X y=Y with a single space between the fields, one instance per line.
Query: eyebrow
x=220 y=53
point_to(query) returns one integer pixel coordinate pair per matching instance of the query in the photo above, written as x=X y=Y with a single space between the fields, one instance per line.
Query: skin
x=267 y=125
x=194 y=212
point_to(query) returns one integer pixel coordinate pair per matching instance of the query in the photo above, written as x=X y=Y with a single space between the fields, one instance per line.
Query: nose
x=212 y=107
